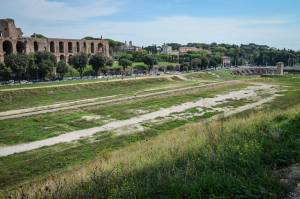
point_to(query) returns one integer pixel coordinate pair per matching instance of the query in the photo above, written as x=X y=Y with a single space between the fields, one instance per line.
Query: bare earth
x=205 y=103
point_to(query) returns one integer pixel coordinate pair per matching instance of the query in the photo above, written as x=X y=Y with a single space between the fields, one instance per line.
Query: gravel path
x=206 y=102
x=95 y=101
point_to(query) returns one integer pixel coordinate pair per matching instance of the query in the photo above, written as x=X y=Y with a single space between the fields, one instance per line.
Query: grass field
x=175 y=157
x=193 y=160
x=17 y=99
x=39 y=127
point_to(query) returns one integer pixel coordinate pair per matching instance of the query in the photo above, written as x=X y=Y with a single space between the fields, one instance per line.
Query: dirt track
x=97 y=101
x=206 y=102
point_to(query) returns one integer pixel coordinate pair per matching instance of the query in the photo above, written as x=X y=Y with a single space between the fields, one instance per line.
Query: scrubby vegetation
x=233 y=158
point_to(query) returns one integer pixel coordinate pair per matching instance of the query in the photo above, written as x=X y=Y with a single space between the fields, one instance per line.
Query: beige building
x=12 y=41
x=185 y=49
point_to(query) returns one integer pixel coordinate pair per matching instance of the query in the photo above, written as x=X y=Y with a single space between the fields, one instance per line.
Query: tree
x=109 y=62
x=196 y=63
x=4 y=72
x=33 y=70
x=39 y=36
x=150 y=61
x=62 y=68
x=18 y=63
x=204 y=63
x=151 y=49
x=124 y=63
x=98 y=62
x=45 y=62
x=79 y=62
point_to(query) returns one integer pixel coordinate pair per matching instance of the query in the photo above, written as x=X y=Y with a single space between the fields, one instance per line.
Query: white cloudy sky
x=272 y=22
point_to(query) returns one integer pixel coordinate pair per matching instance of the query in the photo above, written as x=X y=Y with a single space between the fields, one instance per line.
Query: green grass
x=193 y=161
x=134 y=64
x=214 y=75
x=27 y=129
x=16 y=99
x=23 y=167
x=232 y=159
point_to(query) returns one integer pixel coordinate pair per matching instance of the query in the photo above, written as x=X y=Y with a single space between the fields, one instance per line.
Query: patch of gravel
x=90 y=118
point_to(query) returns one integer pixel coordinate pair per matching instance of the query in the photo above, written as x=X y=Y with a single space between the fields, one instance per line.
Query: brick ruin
x=12 y=41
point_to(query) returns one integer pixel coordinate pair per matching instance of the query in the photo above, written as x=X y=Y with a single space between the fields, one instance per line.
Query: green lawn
x=17 y=99
x=43 y=126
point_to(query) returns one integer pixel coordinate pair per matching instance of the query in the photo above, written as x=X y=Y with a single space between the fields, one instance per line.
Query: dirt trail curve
x=96 y=101
x=206 y=102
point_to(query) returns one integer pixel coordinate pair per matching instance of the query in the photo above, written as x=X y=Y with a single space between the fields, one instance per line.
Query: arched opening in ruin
x=70 y=47
x=52 y=47
x=61 y=47
x=62 y=58
x=20 y=47
x=36 y=46
x=84 y=47
x=70 y=56
x=1 y=34
x=100 y=48
x=92 y=48
x=7 y=47
x=77 y=47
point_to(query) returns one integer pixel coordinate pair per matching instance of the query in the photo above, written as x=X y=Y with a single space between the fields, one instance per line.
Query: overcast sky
x=145 y=22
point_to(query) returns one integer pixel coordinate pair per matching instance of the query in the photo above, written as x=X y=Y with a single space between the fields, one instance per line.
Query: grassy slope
x=233 y=159
x=203 y=162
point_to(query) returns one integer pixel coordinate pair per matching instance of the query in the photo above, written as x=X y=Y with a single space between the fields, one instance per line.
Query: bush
x=72 y=72
x=88 y=71
x=4 y=72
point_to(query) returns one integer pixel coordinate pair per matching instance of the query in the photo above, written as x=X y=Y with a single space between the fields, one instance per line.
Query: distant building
x=12 y=41
x=226 y=61
x=167 y=50
x=185 y=49
x=129 y=47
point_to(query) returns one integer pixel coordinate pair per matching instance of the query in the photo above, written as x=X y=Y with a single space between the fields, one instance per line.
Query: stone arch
x=36 y=46
x=77 y=47
x=52 y=47
x=62 y=58
x=92 y=48
x=70 y=56
x=70 y=47
x=84 y=47
x=100 y=48
x=20 y=47
x=7 y=47
x=61 y=47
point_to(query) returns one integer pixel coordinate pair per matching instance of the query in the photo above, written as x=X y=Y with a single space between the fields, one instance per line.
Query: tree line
x=248 y=54
x=43 y=65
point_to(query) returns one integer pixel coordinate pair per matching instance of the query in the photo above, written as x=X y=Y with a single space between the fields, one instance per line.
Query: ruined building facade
x=12 y=41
